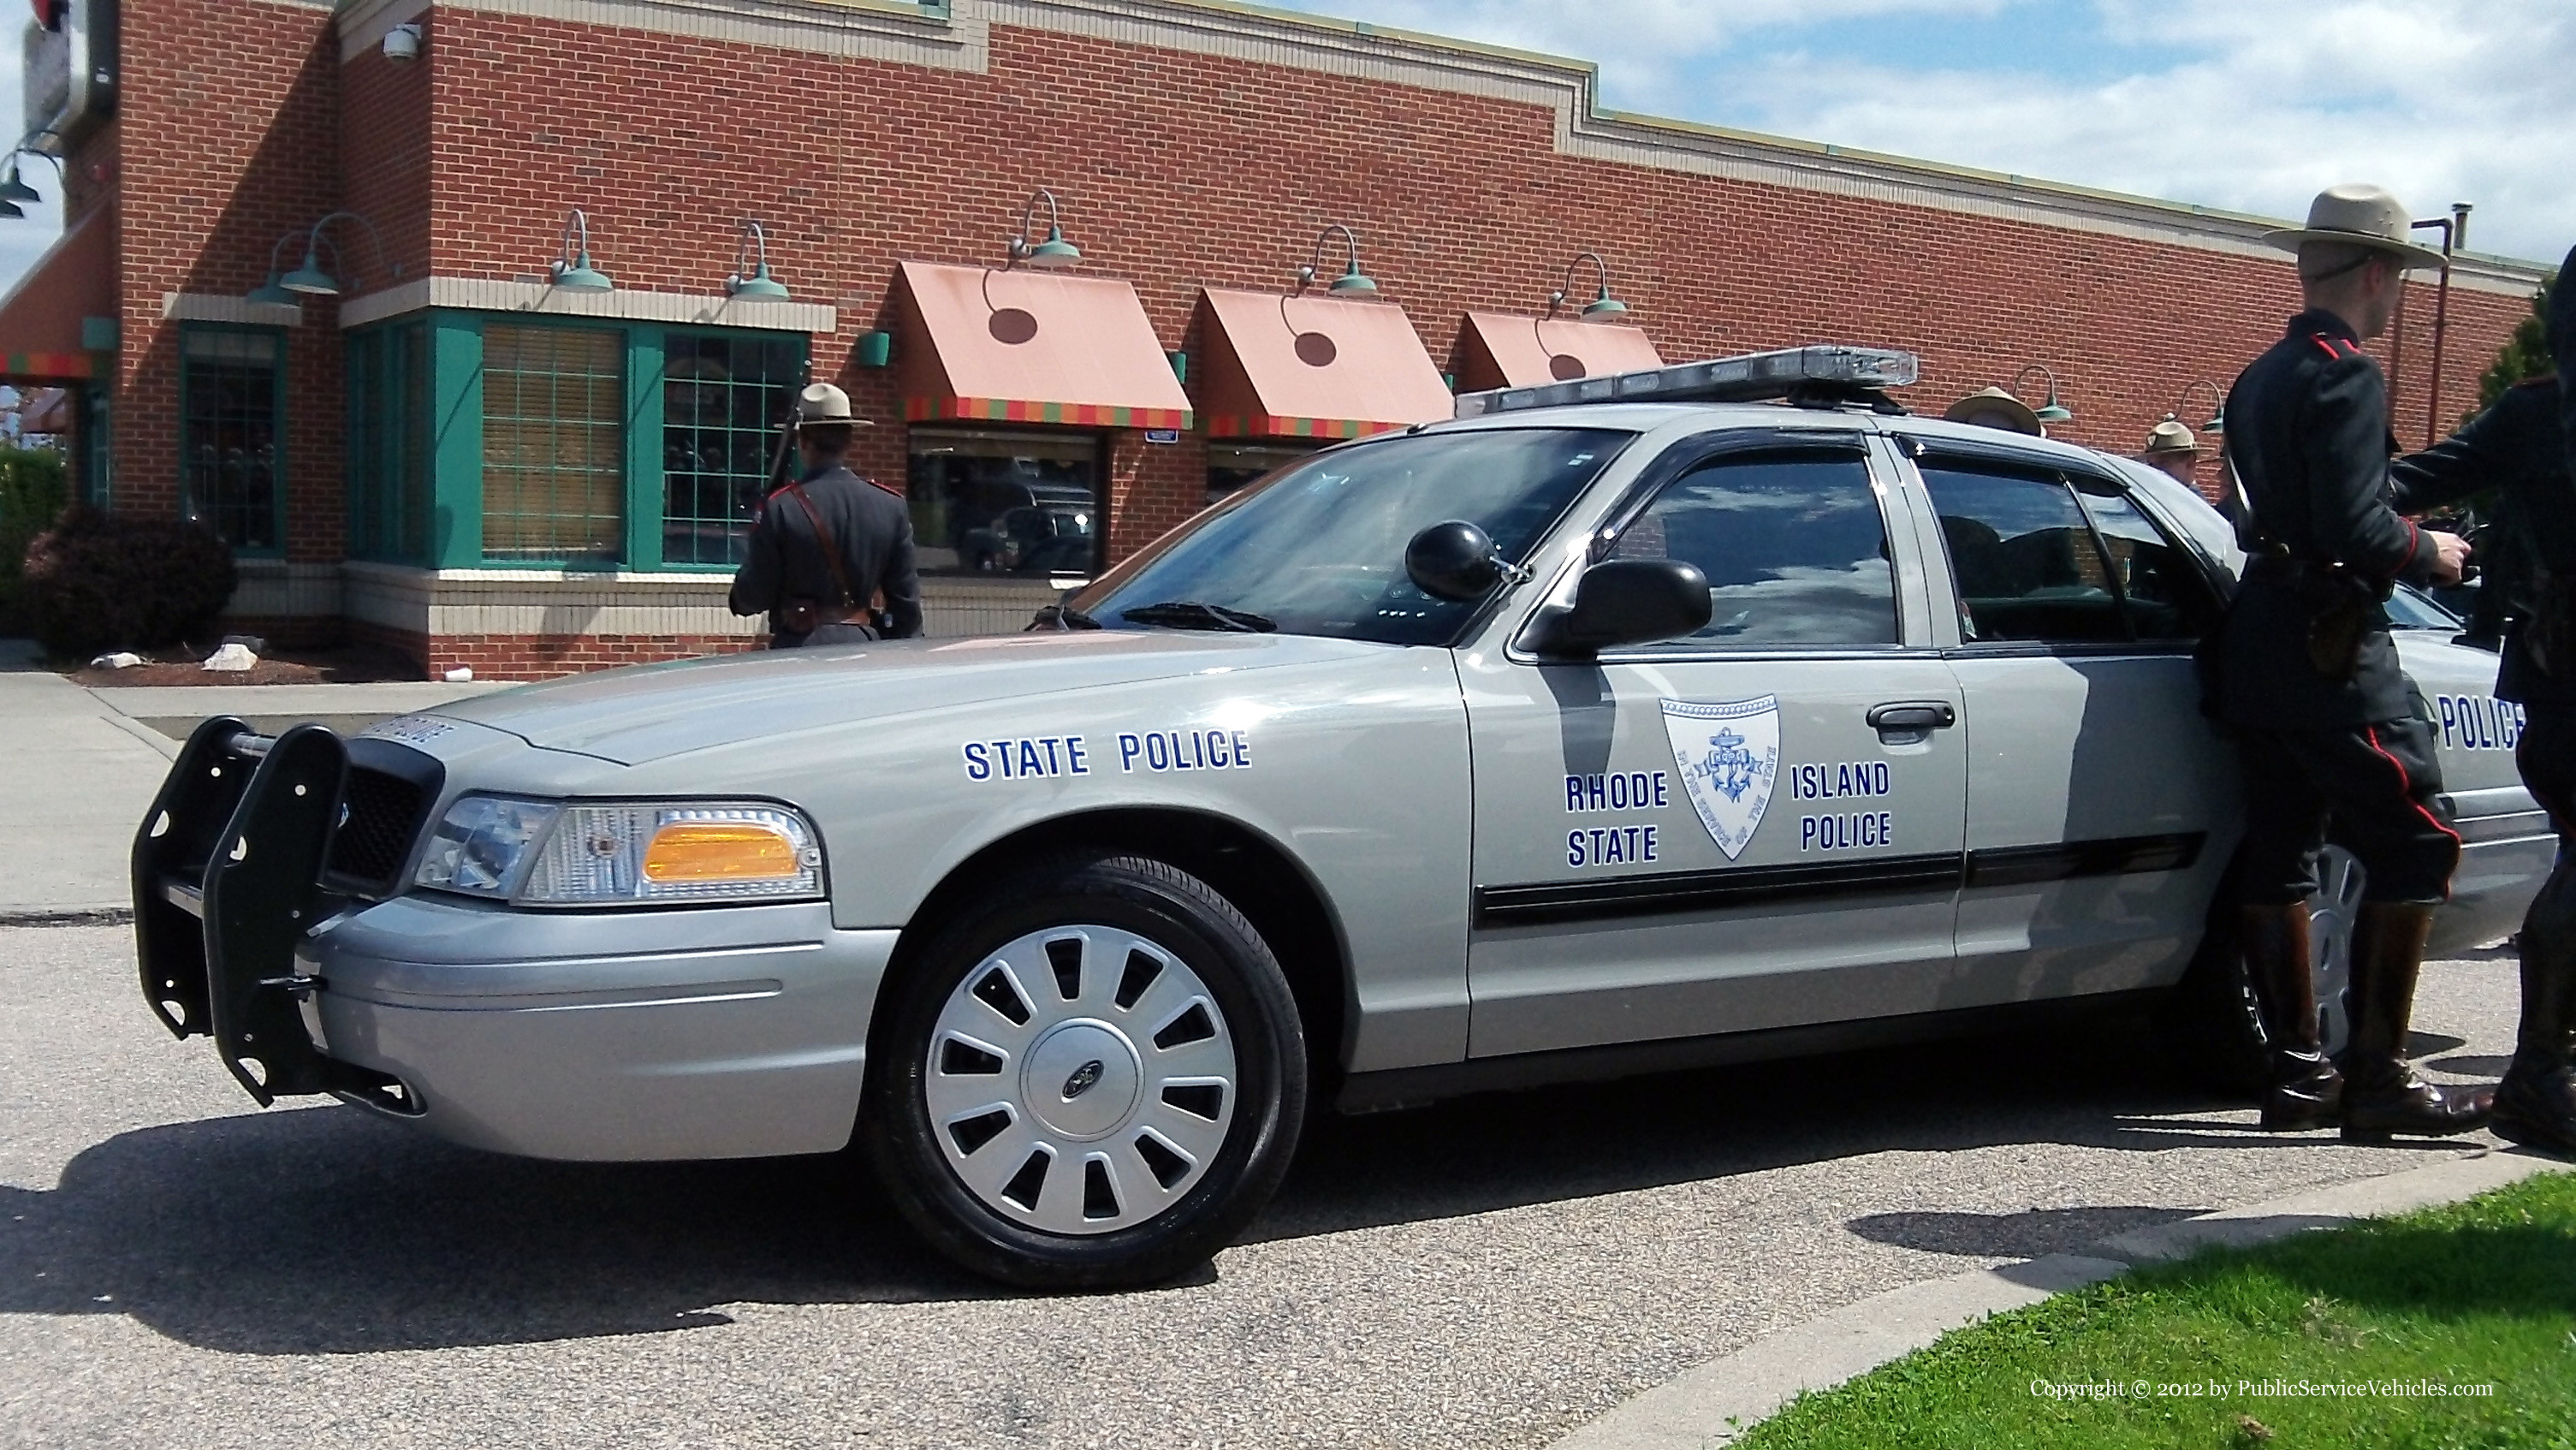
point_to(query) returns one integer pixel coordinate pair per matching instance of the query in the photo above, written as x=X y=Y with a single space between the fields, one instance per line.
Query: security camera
x=403 y=42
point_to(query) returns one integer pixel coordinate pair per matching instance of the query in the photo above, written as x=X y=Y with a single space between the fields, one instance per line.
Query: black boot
x=2536 y=1105
x=2306 y=1091
x=2381 y=1094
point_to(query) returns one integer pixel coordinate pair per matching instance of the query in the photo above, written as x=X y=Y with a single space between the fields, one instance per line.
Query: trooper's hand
x=2450 y=553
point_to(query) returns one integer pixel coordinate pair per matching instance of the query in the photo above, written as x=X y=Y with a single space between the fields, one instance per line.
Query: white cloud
x=2248 y=107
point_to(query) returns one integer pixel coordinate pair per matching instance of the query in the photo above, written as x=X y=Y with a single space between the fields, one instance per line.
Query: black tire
x=2210 y=1023
x=1177 y=913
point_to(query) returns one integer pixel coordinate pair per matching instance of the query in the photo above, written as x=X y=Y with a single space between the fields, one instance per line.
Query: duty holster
x=2341 y=607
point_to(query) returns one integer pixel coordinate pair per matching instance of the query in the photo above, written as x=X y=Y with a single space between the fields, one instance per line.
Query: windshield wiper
x=1063 y=616
x=1191 y=614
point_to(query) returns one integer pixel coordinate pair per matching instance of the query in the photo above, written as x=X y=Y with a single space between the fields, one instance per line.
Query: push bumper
x=675 y=1033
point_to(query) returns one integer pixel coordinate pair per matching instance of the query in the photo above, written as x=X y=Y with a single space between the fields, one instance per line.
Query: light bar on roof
x=1751 y=377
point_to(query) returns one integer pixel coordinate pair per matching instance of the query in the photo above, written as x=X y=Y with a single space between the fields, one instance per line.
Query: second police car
x=1631 y=722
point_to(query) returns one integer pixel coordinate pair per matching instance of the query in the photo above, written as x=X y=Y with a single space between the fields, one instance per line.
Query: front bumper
x=715 y=1032
x=690 y=1032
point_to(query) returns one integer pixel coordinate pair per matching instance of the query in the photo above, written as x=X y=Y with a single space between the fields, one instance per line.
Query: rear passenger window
x=2167 y=594
x=2027 y=564
x=1793 y=546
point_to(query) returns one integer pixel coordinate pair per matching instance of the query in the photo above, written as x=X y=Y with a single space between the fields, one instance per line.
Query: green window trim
x=229 y=408
x=391 y=484
x=652 y=536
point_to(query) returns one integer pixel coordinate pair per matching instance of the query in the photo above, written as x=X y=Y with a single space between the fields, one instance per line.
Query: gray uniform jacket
x=786 y=560
x=2307 y=433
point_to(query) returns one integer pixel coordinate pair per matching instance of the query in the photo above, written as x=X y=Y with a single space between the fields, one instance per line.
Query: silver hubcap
x=1080 y=1080
x=2331 y=915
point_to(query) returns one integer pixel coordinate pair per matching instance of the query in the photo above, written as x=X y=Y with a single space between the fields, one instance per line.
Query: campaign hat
x=822 y=404
x=2362 y=215
x=2170 y=436
x=1996 y=408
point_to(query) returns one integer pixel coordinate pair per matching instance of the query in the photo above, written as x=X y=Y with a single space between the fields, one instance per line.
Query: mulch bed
x=350 y=664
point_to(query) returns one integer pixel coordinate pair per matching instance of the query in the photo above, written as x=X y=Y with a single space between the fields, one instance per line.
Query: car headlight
x=702 y=851
x=546 y=853
x=484 y=844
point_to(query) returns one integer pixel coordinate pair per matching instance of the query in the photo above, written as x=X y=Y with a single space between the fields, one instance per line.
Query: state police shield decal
x=1729 y=754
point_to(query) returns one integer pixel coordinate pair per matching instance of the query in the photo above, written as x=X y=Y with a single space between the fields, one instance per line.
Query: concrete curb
x=1716 y=1402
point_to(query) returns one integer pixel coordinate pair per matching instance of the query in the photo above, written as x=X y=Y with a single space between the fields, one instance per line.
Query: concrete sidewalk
x=80 y=767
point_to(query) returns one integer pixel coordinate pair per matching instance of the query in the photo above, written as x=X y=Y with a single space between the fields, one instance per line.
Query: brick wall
x=1183 y=170
x=227 y=137
x=1177 y=170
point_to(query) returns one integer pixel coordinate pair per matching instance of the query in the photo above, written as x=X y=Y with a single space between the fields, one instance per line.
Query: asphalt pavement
x=179 y=1268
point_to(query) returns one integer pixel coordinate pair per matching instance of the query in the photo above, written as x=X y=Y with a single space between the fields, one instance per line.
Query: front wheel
x=1096 y=1078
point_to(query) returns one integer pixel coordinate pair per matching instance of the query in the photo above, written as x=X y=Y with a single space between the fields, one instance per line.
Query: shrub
x=100 y=582
x=31 y=497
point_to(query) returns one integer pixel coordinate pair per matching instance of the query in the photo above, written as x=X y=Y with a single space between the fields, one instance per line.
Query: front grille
x=380 y=817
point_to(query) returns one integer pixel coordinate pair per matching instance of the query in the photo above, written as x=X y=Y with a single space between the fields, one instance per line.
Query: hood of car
x=655 y=711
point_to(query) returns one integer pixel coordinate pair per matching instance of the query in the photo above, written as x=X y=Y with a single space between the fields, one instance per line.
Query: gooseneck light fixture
x=2051 y=411
x=1055 y=254
x=571 y=269
x=309 y=279
x=2217 y=405
x=13 y=188
x=1603 y=307
x=756 y=283
x=1353 y=282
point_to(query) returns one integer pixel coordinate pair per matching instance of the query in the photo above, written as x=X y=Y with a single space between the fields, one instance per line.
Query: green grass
x=2480 y=1293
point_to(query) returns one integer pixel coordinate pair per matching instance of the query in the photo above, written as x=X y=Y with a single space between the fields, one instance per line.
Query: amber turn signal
x=719 y=851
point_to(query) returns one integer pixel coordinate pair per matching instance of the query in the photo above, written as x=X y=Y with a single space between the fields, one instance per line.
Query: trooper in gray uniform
x=2524 y=447
x=826 y=545
x=2304 y=671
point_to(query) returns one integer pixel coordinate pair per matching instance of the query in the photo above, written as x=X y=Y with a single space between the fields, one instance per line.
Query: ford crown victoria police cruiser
x=1619 y=724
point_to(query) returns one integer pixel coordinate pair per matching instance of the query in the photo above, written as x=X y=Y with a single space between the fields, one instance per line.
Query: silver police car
x=1703 y=714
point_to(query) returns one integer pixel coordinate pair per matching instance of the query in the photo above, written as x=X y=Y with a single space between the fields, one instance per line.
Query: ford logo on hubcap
x=1082 y=1080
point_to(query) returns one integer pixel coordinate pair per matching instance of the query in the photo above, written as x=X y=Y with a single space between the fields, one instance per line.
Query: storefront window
x=723 y=398
x=1232 y=465
x=554 y=444
x=230 y=397
x=388 y=444
x=1022 y=504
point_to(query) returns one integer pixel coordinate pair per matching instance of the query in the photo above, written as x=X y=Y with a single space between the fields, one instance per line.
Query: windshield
x=2411 y=608
x=1318 y=548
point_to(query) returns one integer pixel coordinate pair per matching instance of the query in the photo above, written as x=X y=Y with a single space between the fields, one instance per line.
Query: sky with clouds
x=2248 y=105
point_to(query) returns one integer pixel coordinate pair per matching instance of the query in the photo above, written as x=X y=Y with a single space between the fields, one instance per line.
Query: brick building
x=462 y=449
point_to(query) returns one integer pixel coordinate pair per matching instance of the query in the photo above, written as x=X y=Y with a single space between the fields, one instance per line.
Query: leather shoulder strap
x=831 y=546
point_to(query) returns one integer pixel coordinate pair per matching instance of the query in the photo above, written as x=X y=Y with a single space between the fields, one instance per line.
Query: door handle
x=1913 y=715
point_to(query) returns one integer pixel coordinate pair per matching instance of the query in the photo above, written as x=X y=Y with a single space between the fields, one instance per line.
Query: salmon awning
x=1310 y=366
x=1504 y=350
x=1030 y=347
x=40 y=320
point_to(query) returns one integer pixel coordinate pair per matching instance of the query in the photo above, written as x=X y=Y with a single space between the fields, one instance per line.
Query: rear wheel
x=2213 y=1020
x=1096 y=1078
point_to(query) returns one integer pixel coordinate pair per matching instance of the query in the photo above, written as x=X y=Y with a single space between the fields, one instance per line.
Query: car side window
x=2167 y=595
x=1792 y=543
x=2025 y=558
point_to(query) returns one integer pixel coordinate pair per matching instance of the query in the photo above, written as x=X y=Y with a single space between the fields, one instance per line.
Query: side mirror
x=1625 y=601
x=1453 y=561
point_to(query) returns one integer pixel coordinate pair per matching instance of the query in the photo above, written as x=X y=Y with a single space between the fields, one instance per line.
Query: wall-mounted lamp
x=756 y=283
x=2051 y=411
x=1603 y=307
x=571 y=269
x=403 y=41
x=1055 y=254
x=14 y=189
x=308 y=279
x=2217 y=405
x=1353 y=282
